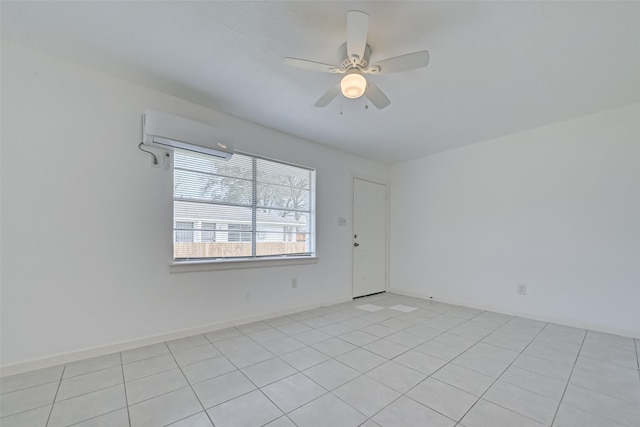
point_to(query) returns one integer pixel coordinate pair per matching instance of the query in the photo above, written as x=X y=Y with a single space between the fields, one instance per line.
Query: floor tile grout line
x=26 y=410
x=27 y=388
x=434 y=410
x=297 y=407
x=260 y=388
x=91 y=391
x=89 y=372
x=219 y=330
x=196 y=346
x=190 y=387
x=625 y=402
x=275 y=419
x=610 y=363
x=155 y=373
x=555 y=415
x=55 y=396
x=145 y=358
x=526 y=389
x=78 y=396
x=636 y=341
x=93 y=418
x=558 y=350
x=286 y=414
x=498 y=378
x=124 y=386
x=98 y=415
x=190 y=347
x=188 y=416
x=177 y=364
x=378 y=411
x=161 y=394
x=549 y=359
x=524 y=368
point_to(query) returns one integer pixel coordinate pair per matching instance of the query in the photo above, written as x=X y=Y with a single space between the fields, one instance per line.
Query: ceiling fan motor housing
x=347 y=64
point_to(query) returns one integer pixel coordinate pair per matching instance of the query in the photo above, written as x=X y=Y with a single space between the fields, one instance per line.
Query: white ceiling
x=496 y=67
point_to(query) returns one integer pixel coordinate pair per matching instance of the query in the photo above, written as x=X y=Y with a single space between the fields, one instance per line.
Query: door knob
x=356 y=244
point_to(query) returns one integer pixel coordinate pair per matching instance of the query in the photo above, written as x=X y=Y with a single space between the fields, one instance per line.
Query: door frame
x=379 y=181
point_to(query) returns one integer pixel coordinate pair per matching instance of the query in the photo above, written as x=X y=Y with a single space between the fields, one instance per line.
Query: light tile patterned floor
x=385 y=360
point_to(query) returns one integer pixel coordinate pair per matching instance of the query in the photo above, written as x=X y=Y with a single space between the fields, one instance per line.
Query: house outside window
x=240 y=233
x=183 y=232
x=209 y=232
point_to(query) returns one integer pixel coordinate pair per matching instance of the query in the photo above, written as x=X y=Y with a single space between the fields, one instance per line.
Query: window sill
x=234 y=264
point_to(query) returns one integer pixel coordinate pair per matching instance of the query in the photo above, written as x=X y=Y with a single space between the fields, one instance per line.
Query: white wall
x=556 y=208
x=86 y=222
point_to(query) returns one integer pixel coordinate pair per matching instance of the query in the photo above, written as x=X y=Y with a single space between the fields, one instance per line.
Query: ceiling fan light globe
x=353 y=85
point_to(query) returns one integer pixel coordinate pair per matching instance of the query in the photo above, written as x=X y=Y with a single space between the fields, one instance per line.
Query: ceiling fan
x=356 y=53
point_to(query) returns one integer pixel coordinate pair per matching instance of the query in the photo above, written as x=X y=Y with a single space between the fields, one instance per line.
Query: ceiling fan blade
x=357 y=29
x=328 y=96
x=376 y=96
x=311 y=65
x=406 y=62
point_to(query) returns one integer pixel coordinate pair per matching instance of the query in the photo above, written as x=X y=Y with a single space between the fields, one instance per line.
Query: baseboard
x=72 y=356
x=575 y=323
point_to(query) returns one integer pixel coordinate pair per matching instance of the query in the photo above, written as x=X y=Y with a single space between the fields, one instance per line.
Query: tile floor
x=384 y=360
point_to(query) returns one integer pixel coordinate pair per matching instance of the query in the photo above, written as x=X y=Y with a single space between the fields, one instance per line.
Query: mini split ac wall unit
x=166 y=131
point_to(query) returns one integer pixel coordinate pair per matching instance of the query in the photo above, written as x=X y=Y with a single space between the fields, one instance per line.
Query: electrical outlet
x=294 y=283
x=522 y=289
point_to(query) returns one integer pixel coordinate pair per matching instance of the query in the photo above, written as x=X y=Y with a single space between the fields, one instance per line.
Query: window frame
x=253 y=261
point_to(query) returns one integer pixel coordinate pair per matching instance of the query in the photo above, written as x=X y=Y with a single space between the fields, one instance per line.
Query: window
x=183 y=232
x=208 y=232
x=237 y=236
x=246 y=207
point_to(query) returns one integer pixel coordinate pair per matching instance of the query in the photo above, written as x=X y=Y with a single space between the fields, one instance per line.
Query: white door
x=369 y=237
